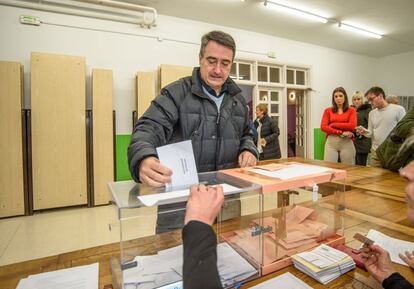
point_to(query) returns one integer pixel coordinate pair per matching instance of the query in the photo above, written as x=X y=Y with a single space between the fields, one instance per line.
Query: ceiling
x=392 y=18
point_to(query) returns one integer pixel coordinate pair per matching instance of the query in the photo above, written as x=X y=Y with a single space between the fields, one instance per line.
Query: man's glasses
x=370 y=99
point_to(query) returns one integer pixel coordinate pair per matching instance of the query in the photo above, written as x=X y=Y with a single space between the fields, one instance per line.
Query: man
x=378 y=261
x=387 y=152
x=199 y=240
x=206 y=108
x=382 y=119
x=393 y=99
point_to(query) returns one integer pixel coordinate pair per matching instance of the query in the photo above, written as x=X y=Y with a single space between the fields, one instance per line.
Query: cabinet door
x=103 y=140
x=145 y=91
x=11 y=155
x=171 y=73
x=58 y=130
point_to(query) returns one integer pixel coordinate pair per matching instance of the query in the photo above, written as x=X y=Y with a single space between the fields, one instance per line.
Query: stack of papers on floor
x=323 y=263
x=166 y=268
x=81 y=277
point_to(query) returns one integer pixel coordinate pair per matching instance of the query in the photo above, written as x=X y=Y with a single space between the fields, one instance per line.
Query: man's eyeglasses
x=370 y=99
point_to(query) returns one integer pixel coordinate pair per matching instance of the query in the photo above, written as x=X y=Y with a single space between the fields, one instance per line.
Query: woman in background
x=339 y=122
x=362 y=143
x=268 y=134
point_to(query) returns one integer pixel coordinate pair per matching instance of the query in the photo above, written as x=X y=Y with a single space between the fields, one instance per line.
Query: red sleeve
x=350 y=124
x=325 y=125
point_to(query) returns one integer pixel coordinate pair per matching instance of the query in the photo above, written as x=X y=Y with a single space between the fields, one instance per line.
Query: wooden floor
x=374 y=200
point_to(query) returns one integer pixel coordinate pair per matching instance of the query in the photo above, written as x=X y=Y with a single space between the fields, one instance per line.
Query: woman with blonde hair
x=339 y=122
x=362 y=143
x=268 y=134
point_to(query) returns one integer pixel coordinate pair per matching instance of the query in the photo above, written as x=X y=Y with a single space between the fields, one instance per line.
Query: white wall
x=126 y=49
x=396 y=74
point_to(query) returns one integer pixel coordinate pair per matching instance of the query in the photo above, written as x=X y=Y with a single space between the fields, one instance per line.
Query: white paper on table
x=81 y=277
x=292 y=171
x=285 y=281
x=22 y=284
x=179 y=157
x=392 y=245
x=178 y=196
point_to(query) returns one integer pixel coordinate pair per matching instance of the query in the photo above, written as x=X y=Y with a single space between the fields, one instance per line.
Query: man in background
x=393 y=99
x=382 y=119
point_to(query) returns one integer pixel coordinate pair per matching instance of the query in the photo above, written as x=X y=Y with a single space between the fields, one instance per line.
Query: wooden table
x=374 y=199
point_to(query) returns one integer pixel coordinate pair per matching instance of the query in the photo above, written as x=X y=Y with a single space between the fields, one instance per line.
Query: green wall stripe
x=122 y=169
x=319 y=139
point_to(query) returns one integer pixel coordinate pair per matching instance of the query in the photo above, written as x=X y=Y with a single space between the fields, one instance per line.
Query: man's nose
x=217 y=68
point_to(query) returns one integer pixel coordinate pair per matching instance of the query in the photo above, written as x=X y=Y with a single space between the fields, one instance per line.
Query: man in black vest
x=206 y=108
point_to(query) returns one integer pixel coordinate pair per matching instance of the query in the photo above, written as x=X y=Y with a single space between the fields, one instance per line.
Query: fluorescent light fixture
x=296 y=11
x=359 y=30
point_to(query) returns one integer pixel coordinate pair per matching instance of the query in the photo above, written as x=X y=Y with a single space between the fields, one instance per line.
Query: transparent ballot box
x=151 y=222
x=302 y=207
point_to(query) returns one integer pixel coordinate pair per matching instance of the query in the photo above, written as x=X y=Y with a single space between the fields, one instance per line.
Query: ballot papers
x=165 y=268
x=179 y=157
x=291 y=171
x=323 y=263
x=81 y=277
x=179 y=196
x=392 y=245
x=285 y=281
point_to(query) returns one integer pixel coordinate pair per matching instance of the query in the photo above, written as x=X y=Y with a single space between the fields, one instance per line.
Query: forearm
x=344 y=126
x=396 y=281
x=200 y=256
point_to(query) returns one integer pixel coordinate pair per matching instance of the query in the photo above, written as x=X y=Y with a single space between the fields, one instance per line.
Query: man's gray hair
x=221 y=38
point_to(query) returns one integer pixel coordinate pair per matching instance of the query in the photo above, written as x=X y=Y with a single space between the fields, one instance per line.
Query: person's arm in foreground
x=379 y=265
x=199 y=240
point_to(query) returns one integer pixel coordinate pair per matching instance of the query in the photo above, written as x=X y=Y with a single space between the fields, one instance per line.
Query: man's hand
x=360 y=130
x=204 y=204
x=247 y=159
x=408 y=172
x=408 y=258
x=152 y=173
x=378 y=262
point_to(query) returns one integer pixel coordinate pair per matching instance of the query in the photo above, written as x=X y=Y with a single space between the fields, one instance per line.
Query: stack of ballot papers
x=81 y=277
x=165 y=268
x=323 y=263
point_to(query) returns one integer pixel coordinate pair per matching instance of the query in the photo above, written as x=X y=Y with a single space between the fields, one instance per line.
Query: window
x=241 y=71
x=271 y=98
x=295 y=76
x=268 y=74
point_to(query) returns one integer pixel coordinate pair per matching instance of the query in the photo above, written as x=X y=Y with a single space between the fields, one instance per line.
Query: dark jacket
x=396 y=281
x=183 y=112
x=362 y=144
x=387 y=152
x=200 y=257
x=270 y=132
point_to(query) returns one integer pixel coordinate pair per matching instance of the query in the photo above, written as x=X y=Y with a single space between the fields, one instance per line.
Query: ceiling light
x=359 y=30
x=296 y=11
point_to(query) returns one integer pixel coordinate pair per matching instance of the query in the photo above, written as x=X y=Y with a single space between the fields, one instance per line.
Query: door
x=296 y=134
